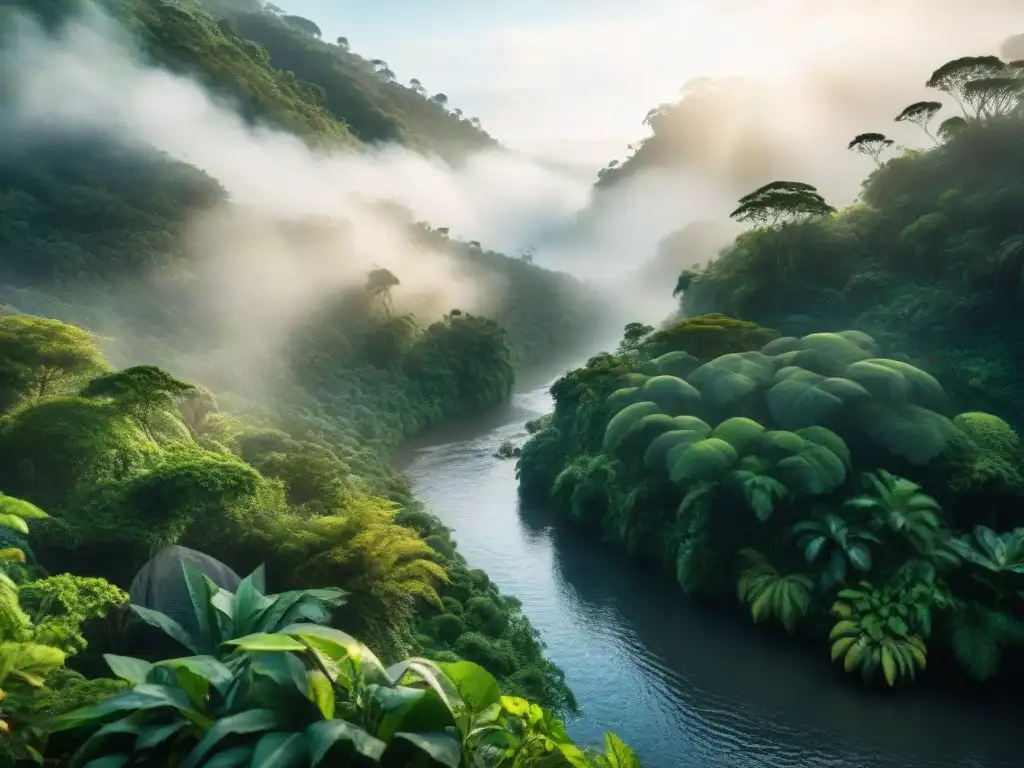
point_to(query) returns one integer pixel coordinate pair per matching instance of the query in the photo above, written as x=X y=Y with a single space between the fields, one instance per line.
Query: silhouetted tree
x=343 y=43
x=379 y=284
x=475 y=122
x=871 y=144
x=440 y=98
x=632 y=336
x=417 y=86
x=953 y=76
x=458 y=114
x=303 y=25
x=951 y=127
x=781 y=200
x=443 y=231
x=992 y=96
x=920 y=113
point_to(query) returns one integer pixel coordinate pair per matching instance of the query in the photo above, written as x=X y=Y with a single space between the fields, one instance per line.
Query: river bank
x=683 y=687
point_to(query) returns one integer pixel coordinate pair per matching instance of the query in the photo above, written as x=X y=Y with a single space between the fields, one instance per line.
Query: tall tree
x=379 y=284
x=140 y=392
x=779 y=201
x=871 y=144
x=921 y=113
x=440 y=98
x=953 y=76
x=993 y=96
x=417 y=86
x=343 y=43
x=40 y=357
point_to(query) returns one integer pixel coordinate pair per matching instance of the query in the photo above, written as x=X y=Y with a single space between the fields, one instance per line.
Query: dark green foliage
x=780 y=201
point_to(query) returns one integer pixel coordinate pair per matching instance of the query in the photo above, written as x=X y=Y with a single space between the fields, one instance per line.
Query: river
x=683 y=687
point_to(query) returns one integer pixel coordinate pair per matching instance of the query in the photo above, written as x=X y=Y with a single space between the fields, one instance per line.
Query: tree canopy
x=780 y=201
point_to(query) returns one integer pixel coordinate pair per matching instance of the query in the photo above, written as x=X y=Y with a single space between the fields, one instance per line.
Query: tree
x=920 y=113
x=443 y=231
x=417 y=87
x=440 y=98
x=953 y=76
x=871 y=144
x=303 y=25
x=343 y=43
x=526 y=253
x=458 y=114
x=40 y=357
x=779 y=200
x=992 y=96
x=379 y=284
x=653 y=114
x=951 y=127
x=140 y=391
x=475 y=122
x=632 y=337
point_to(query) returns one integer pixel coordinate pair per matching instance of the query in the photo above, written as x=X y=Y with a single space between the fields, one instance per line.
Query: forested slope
x=280 y=454
x=829 y=433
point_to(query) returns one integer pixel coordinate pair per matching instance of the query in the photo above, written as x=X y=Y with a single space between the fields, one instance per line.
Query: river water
x=683 y=687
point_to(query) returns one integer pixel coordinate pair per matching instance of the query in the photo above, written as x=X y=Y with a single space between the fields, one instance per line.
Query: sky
x=571 y=79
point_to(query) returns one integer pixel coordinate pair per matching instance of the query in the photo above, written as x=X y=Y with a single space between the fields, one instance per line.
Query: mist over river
x=682 y=686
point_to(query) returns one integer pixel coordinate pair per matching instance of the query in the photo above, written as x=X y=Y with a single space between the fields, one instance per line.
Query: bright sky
x=542 y=75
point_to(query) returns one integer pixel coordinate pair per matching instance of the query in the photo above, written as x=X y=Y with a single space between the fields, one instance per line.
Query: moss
x=709 y=336
x=987 y=453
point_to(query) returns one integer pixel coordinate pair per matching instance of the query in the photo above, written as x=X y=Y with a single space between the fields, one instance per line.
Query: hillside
x=264 y=433
x=828 y=438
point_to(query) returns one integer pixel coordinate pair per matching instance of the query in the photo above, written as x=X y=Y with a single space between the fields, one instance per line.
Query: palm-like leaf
x=772 y=595
x=901 y=506
x=998 y=553
x=831 y=539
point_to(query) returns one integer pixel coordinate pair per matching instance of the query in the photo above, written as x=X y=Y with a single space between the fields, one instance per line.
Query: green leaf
x=168 y=626
x=860 y=556
x=108 y=761
x=13 y=522
x=201 y=591
x=321 y=692
x=144 y=696
x=205 y=667
x=26 y=510
x=441 y=747
x=128 y=668
x=280 y=750
x=230 y=758
x=325 y=735
x=262 y=641
x=338 y=646
x=813 y=548
x=250 y=721
x=618 y=754
x=476 y=686
x=158 y=734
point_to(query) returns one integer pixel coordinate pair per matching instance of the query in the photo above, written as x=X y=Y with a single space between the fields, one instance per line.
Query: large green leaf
x=441 y=747
x=322 y=737
x=230 y=758
x=476 y=686
x=128 y=668
x=250 y=721
x=201 y=591
x=126 y=726
x=169 y=627
x=156 y=735
x=142 y=697
x=263 y=641
x=280 y=750
x=618 y=754
x=337 y=647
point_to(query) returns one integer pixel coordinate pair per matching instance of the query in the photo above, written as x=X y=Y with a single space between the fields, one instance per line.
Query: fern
x=979 y=637
x=772 y=595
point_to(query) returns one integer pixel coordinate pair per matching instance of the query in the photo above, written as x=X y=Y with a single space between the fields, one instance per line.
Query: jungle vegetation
x=826 y=435
x=274 y=68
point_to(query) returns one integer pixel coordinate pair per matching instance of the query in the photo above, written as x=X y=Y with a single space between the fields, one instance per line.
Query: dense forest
x=827 y=430
x=277 y=464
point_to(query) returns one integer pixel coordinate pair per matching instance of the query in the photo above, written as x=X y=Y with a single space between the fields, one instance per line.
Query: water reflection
x=682 y=686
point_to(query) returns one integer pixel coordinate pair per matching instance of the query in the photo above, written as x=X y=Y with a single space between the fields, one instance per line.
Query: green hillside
x=827 y=439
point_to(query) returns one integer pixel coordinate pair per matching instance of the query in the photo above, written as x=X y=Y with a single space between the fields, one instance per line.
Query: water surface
x=682 y=686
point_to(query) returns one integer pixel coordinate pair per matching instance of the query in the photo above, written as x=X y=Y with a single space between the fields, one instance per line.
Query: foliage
x=772 y=595
x=59 y=605
x=871 y=144
x=309 y=693
x=783 y=200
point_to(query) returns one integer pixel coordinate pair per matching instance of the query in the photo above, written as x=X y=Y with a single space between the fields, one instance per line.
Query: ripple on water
x=682 y=687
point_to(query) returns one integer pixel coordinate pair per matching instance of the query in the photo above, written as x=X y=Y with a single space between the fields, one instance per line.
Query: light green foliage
x=884 y=627
x=309 y=693
x=140 y=391
x=58 y=605
x=15 y=514
x=680 y=364
x=624 y=421
x=40 y=357
x=673 y=395
x=707 y=337
x=987 y=453
x=770 y=594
